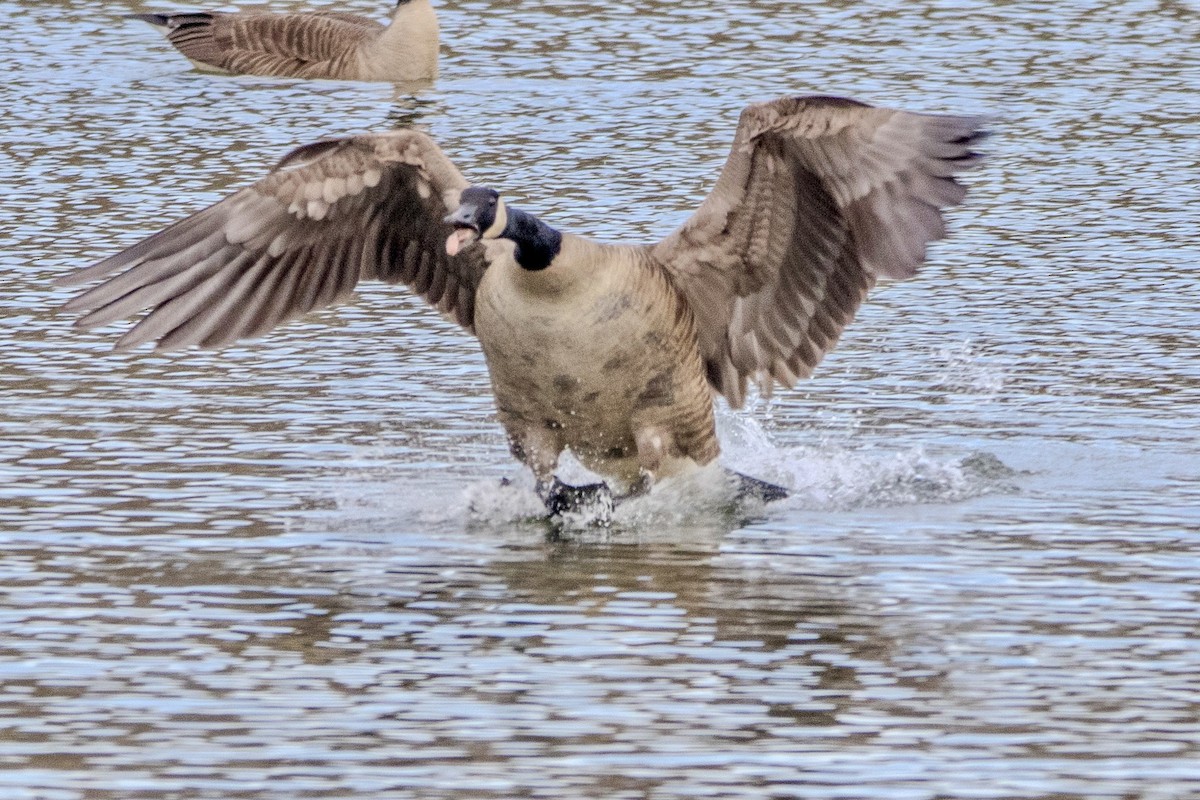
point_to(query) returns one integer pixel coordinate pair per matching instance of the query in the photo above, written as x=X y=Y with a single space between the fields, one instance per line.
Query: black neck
x=537 y=242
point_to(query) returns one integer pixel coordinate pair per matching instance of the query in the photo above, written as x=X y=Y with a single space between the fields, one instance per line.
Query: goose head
x=481 y=214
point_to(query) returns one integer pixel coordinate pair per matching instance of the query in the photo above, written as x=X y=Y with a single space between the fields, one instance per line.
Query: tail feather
x=171 y=21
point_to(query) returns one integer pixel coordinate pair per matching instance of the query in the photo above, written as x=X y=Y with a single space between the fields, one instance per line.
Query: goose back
x=315 y=45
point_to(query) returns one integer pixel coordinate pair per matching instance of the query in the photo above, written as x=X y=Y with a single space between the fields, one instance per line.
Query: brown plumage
x=612 y=351
x=319 y=44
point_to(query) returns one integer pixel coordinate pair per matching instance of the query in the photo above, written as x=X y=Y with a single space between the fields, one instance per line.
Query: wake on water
x=828 y=477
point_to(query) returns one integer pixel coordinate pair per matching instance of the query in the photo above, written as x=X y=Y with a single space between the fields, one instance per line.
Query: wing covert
x=329 y=215
x=300 y=38
x=819 y=197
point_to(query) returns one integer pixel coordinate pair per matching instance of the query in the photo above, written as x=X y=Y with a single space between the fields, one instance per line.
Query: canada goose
x=614 y=351
x=318 y=44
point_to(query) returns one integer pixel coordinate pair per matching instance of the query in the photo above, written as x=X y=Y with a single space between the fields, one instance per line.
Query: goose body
x=315 y=45
x=597 y=354
x=613 y=351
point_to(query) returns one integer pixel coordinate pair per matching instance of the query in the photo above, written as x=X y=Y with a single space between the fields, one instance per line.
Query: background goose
x=321 y=44
x=613 y=351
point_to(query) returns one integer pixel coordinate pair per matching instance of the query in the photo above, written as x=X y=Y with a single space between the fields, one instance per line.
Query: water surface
x=286 y=569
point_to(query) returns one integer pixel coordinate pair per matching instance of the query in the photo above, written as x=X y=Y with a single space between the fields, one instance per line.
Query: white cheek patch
x=501 y=222
x=459 y=239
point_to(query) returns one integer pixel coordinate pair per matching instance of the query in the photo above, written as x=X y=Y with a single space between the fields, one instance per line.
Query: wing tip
x=103 y=268
x=157 y=20
x=962 y=134
x=78 y=277
x=131 y=339
x=70 y=279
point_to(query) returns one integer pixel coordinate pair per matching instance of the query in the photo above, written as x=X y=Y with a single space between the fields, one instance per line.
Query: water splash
x=702 y=498
x=964 y=371
x=847 y=472
x=818 y=478
x=839 y=480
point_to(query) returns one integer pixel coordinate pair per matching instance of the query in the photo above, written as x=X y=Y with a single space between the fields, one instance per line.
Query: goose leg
x=652 y=444
x=535 y=446
x=538 y=447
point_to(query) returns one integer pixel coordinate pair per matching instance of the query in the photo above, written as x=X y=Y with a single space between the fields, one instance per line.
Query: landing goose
x=319 y=44
x=614 y=351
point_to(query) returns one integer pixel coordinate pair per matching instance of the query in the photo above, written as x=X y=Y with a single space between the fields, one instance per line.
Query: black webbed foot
x=639 y=487
x=562 y=498
x=757 y=488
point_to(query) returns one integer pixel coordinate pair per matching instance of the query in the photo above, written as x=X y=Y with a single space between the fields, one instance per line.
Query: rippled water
x=286 y=570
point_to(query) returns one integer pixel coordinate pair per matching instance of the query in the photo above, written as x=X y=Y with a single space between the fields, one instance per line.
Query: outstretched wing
x=819 y=197
x=329 y=215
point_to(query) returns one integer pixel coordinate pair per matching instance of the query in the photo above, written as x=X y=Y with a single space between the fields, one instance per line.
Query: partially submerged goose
x=613 y=351
x=319 y=44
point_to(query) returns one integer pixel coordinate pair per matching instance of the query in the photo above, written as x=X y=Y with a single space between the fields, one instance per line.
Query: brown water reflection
x=545 y=653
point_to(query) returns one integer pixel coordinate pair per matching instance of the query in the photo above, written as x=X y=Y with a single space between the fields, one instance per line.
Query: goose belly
x=593 y=369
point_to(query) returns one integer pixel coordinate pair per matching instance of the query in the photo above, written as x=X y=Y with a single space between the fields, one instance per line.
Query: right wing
x=329 y=215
